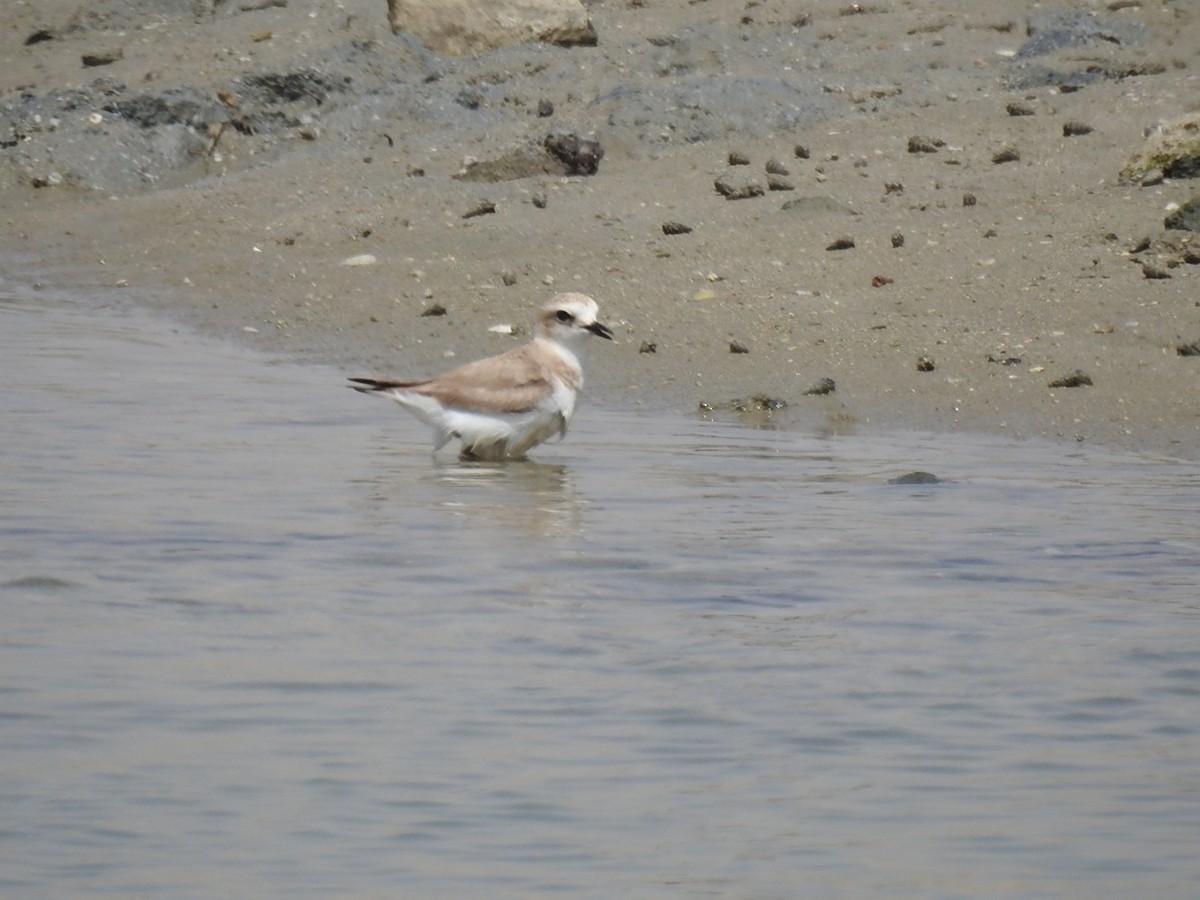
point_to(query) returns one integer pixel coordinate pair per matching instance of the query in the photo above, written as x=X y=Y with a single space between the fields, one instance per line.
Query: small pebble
x=1075 y=379
x=482 y=208
x=842 y=243
x=1006 y=154
x=925 y=364
x=675 y=228
x=731 y=189
x=1075 y=129
x=105 y=58
x=1152 y=178
x=915 y=478
x=738 y=347
x=821 y=388
x=919 y=144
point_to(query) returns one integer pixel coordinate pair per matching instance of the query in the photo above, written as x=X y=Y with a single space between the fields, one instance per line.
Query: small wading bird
x=502 y=406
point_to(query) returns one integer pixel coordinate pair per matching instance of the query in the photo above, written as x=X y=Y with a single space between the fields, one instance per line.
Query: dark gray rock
x=1054 y=30
x=1186 y=218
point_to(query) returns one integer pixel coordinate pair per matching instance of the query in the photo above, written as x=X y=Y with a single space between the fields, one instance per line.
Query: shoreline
x=1032 y=259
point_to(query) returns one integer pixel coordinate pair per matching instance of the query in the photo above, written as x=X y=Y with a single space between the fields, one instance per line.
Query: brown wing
x=512 y=382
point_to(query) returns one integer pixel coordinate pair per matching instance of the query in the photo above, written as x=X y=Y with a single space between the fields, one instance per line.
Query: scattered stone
x=473 y=26
x=362 y=259
x=969 y=199
x=36 y=37
x=815 y=206
x=433 y=311
x=821 y=387
x=919 y=144
x=1019 y=109
x=897 y=240
x=915 y=478
x=51 y=179
x=1192 y=349
x=775 y=167
x=1153 y=272
x=508 y=278
x=524 y=161
x=756 y=404
x=1053 y=30
x=733 y=188
x=648 y=347
x=1172 y=147
x=867 y=93
x=861 y=9
x=1186 y=218
x=1152 y=178
x=777 y=183
x=1004 y=360
x=842 y=243
x=1141 y=245
x=482 y=208
x=892 y=187
x=469 y=98
x=925 y=364
x=1005 y=155
x=580 y=155
x=545 y=109
x=1076 y=129
x=801 y=152
x=738 y=159
x=538 y=200
x=105 y=58
x=881 y=280
x=738 y=347
x=1075 y=379
x=676 y=228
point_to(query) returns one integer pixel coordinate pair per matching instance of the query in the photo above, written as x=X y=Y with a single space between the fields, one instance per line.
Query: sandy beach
x=872 y=216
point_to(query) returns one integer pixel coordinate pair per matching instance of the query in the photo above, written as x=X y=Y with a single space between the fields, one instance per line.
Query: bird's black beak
x=600 y=330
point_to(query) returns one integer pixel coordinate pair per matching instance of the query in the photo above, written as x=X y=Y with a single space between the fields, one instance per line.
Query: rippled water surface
x=256 y=641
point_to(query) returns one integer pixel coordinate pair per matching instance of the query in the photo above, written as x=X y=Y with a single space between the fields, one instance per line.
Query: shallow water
x=257 y=642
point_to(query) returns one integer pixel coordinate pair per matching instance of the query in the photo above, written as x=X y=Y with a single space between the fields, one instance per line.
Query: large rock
x=1173 y=148
x=457 y=27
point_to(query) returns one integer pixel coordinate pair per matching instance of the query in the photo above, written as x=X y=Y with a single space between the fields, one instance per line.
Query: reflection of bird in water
x=532 y=498
x=502 y=406
x=521 y=500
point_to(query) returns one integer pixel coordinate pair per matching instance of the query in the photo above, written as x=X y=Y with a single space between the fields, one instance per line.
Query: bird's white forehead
x=578 y=304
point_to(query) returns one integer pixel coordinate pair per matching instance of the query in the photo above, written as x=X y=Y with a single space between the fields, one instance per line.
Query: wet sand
x=994 y=256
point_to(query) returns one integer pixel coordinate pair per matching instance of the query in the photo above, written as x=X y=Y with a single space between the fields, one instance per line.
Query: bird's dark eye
x=563 y=316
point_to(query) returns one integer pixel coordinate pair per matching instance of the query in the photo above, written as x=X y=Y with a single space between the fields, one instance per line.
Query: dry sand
x=1030 y=259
